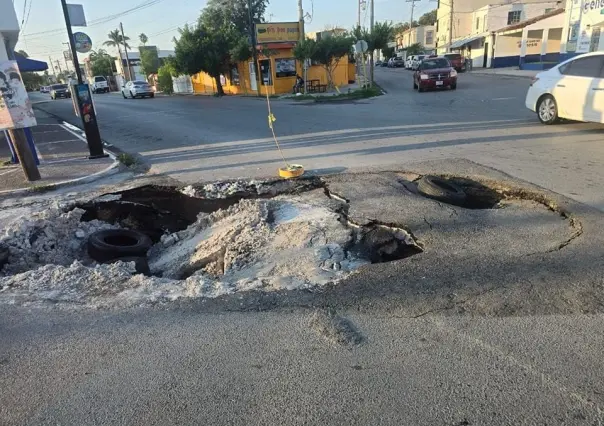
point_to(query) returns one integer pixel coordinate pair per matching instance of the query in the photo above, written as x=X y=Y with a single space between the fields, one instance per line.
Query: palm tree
x=117 y=40
x=143 y=38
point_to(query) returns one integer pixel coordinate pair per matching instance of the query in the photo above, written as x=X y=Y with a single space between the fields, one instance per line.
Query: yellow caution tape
x=271 y=120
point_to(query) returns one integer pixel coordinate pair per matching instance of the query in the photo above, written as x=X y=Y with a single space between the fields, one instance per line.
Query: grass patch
x=363 y=93
x=40 y=188
x=126 y=159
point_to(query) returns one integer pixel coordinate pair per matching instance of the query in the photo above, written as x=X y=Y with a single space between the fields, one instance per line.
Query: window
x=477 y=23
x=592 y=66
x=432 y=64
x=235 y=75
x=285 y=67
x=99 y=79
x=429 y=37
x=514 y=17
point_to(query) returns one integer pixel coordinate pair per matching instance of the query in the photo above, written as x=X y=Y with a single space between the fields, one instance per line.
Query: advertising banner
x=277 y=32
x=16 y=111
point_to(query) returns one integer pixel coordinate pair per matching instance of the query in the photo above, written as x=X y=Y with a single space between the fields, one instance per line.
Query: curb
x=109 y=171
x=492 y=74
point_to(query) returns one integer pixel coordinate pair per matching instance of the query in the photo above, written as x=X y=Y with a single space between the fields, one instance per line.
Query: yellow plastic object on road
x=291 y=171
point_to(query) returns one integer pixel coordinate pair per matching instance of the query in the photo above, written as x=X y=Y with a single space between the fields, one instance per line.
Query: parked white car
x=137 y=88
x=409 y=62
x=573 y=90
x=416 y=61
x=100 y=84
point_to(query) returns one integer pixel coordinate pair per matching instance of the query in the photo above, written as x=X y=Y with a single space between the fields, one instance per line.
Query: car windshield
x=59 y=86
x=99 y=79
x=431 y=64
x=139 y=83
x=420 y=57
x=453 y=56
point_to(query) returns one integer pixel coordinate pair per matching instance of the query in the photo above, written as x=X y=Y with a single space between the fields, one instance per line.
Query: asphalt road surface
x=196 y=138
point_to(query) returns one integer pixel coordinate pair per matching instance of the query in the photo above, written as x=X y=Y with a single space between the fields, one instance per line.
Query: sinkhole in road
x=219 y=229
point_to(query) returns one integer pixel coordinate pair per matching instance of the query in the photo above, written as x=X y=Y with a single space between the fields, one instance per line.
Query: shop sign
x=83 y=44
x=278 y=32
x=593 y=5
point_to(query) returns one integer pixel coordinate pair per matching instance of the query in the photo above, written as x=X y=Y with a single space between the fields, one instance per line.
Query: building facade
x=475 y=17
x=425 y=35
x=583 y=29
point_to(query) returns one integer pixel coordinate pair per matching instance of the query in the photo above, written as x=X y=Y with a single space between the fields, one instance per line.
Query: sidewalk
x=508 y=72
x=63 y=158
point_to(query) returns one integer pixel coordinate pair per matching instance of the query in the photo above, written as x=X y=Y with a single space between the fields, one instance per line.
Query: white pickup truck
x=99 y=84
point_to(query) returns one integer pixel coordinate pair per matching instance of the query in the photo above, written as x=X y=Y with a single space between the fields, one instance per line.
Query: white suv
x=573 y=90
x=100 y=84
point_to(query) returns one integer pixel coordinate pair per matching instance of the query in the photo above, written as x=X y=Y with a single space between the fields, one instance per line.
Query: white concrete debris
x=53 y=236
x=254 y=245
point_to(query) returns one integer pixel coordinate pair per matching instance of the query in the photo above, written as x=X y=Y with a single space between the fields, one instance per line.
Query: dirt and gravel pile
x=256 y=244
x=56 y=236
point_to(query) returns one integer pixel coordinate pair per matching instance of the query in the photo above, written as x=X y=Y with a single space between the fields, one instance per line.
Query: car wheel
x=420 y=89
x=547 y=110
x=118 y=243
x=414 y=85
x=152 y=95
x=454 y=86
x=131 y=95
x=125 y=97
x=441 y=190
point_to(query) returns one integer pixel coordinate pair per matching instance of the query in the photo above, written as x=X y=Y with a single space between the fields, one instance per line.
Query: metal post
x=91 y=128
x=253 y=42
x=371 y=22
x=52 y=66
x=450 y=28
x=59 y=66
x=126 y=53
x=359 y=14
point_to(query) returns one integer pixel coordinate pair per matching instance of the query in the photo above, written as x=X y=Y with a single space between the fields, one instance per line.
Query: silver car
x=137 y=88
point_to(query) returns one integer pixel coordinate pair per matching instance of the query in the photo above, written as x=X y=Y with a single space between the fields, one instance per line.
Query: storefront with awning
x=476 y=48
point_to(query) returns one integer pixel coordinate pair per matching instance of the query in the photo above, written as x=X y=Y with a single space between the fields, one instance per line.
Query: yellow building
x=276 y=73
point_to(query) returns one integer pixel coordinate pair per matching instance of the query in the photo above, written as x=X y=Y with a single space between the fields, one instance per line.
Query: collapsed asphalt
x=486 y=326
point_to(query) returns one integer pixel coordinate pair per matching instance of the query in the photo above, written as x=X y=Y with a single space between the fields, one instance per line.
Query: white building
x=479 y=45
x=9 y=28
x=424 y=34
x=475 y=17
x=582 y=30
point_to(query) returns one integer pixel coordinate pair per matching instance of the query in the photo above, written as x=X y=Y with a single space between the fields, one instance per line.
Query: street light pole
x=91 y=128
x=371 y=22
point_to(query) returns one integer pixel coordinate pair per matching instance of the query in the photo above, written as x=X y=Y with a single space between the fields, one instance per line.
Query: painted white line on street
x=63 y=141
x=502 y=99
x=79 y=133
x=9 y=171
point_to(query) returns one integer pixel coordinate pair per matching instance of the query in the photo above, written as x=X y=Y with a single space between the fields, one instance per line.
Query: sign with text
x=277 y=32
x=16 y=111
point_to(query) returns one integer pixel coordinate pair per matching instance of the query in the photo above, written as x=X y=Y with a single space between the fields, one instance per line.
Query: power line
x=103 y=20
x=23 y=25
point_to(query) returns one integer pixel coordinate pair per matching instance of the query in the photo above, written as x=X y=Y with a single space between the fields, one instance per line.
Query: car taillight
x=534 y=80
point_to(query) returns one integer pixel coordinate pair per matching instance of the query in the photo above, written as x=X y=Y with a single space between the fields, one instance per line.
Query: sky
x=43 y=27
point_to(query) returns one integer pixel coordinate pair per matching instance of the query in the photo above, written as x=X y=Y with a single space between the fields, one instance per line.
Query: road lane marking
x=502 y=99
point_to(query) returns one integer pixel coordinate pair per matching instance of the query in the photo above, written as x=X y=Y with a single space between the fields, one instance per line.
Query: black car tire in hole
x=117 y=243
x=441 y=190
x=4 y=253
x=140 y=263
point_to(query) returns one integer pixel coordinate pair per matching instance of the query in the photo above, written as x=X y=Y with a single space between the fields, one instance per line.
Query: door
x=596 y=98
x=574 y=90
x=486 y=55
x=253 y=77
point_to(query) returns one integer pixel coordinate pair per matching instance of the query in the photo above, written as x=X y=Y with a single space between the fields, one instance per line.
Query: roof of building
x=523 y=24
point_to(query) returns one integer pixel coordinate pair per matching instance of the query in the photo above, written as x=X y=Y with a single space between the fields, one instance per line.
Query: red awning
x=274 y=46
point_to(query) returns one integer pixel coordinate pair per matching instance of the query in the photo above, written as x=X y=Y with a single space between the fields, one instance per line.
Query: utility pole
x=59 y=66
x=253 y=42
x=91 y=128
x=126 y=53
x=371 y=22
x=359 y=14
x=450 y=28
x=410 y=20
x=65 y=57
x=52 y=66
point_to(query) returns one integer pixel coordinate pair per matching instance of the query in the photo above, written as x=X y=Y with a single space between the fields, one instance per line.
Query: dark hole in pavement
x=478 y=196
x=379 y=244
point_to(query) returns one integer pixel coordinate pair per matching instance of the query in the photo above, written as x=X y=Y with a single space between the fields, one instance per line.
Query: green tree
x=149 y=60
x=428 y=18
x=205 y=49
x=32 y=80
x=235 y=12
x=115 y=39
x=388 y=52
x=143 y=38
x=164 y=78
x=415 y=49
x=101 y=62
x=330 y=51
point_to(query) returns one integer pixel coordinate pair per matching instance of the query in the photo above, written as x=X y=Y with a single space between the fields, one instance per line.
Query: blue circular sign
x=83 y=44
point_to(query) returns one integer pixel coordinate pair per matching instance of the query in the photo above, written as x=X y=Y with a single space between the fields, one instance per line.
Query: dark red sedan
x=435 y=73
